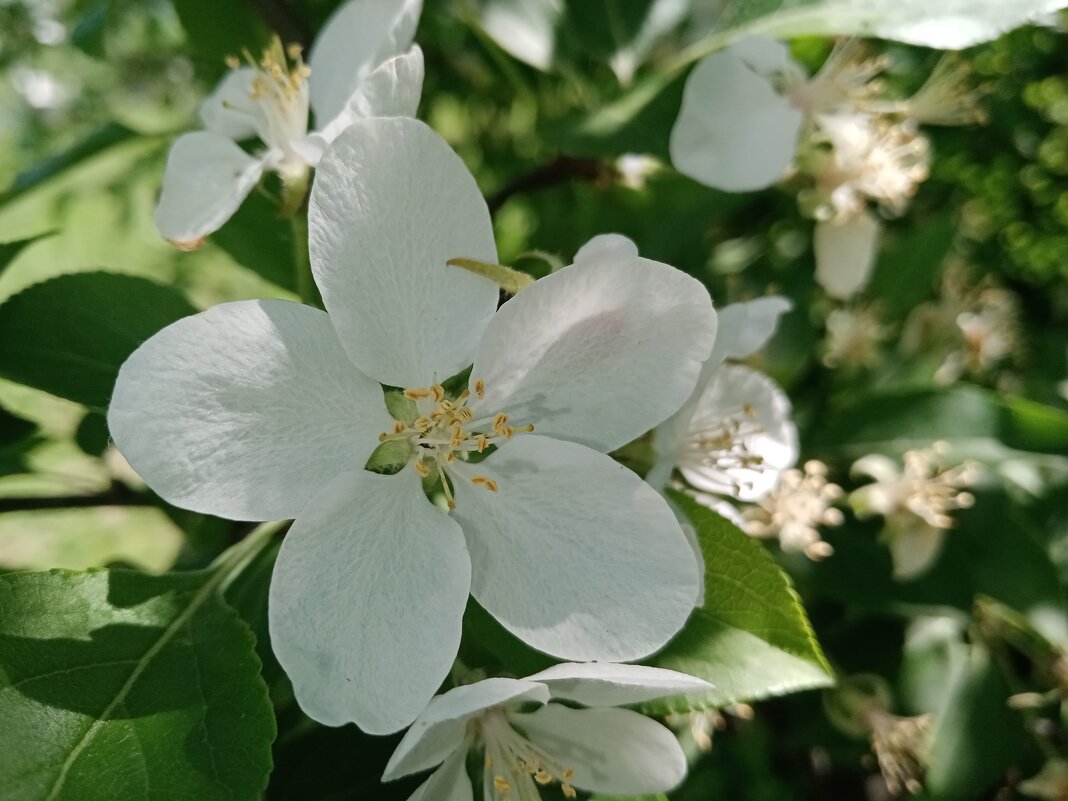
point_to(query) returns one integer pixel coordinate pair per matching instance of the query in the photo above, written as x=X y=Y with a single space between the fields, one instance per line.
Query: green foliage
x=751 y=639
x=70 y=335
x=123 y=685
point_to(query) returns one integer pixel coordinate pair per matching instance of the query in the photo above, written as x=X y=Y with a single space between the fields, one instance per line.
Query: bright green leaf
x=751 y=639
x=123 y=685
x=9 y=250
x=70 y=335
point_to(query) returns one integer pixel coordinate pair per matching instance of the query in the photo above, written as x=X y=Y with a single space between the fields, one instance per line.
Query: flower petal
x=450 y=782
x=845 y=254
x=392 y=203
x=744 y=328
x=206 y=178
x=914 y=547
x=573 y=553
x=230 y=110
x=610 y=684
x=366 y=601
x=605 y=246
x=598 y=352
x=752 y=398
x=245 y=411
x=612 y=751
x=392 y=90
x=734 y=130
x=359 y=36
x=440 y=728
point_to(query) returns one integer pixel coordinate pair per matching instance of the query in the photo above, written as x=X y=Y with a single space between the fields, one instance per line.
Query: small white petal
x=392 y=90
x=731 y=389
x=392 y=203
x=845 y=254
x=366 y=601
x=878 y=466
x=612 y=751
x=206 y=178
x=598 y=352
x=744 y=328
x=605 y=246
x=914 y=547
x=525 y=28
x=245 y=411
x=359 y=36
x=574 y=554
x=610 y=684
x=734 y=130
x=230 y=110
x=440 y=728
x=450 y=782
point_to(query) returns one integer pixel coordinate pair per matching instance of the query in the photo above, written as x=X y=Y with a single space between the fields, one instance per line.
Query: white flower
x=734 y=435
x=356 y=71
x=853 y=338
x=794 y=511
x=916 y=500
x=598 y=749
x=268 y=410
x=1050 y=783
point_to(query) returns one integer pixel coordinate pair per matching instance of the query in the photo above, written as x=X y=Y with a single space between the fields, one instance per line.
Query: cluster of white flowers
x=751 y=116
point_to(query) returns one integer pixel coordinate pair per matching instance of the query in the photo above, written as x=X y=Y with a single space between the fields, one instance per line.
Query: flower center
x=719 y=441
x=279 y=95
x=514 y=766
x=446 y=430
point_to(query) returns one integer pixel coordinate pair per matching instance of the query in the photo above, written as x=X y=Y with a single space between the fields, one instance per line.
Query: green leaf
x=70 y=335
x=13 y=429
x=218 y=30
x=258 y=239
x=124 y=685
x=751 y=639
x=9 y=250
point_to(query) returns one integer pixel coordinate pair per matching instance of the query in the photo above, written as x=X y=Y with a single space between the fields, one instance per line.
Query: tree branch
x=558 y=171
x=280 y=19
x=116 y=495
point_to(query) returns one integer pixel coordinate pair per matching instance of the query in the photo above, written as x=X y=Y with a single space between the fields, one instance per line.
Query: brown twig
x=558 y=171
x=115 y=495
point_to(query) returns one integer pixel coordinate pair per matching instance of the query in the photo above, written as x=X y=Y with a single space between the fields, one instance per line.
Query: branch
x=280 y=19
x=558 y=171
x=115 y=495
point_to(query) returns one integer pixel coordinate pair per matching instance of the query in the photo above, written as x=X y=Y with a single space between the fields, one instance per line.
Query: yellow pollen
x=438 y=392
x=383 y=437
x=568 y=790
x=399 y=427
x=233 y=62
x=484 y=481
x=419 y=393
x=481 y=442
x=489 y=761
x=293 y=50
x=421 y=468
x=541 y=777
x=569 y=774
x=501 y=785
x=480 y=388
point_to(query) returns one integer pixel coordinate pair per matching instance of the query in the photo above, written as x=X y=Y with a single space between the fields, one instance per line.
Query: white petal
x=878 y=466
x=359 y=36
x=206 y=178
x=605 y=246
x=608 y=684
x=598 y=352
x=845 y=254
x=744 y=328
x=732 y=388
x=392 y=203
x=524 y=28
x=574 y=554
x=612 y=751
x=245 y=411
x=230 y=110
x=734 y=130
x=450 y=782
x=366 y=601
x=392 y=90
x=440 y=728
x=914 y=547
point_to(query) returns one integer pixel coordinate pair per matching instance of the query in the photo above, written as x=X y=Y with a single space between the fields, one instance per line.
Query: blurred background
x=960 y=338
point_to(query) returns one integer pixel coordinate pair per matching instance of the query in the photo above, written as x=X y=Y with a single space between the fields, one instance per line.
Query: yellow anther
x=480 y=388
x=399 y=427
x=293 y=50
x=568 y=790
x=500 y=784
x=541 y=777
x=233 y=62
x=417 y=393
x=489 y=762
x=569 y=775
x=486 y=482
x=457 y=434
x=383 y=437
x=422 y=424
x=449 y=457
x=438 y=391
x=421 y=468
x=524 y=429
x=749 y=410
x=481 y=442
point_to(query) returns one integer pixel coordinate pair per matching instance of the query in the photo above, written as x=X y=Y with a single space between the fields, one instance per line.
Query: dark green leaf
x=70 y=335
x=92 y=435
x=9 y=250
x=14 y=430
x=259 y=240
x=124 y=685
x=218 y=30
x=751 y=639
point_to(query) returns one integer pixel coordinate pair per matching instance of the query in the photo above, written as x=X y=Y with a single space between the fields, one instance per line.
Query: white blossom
x=361 y=66
x=853 y=338
x=916 y=500
x=267 y=410
x=795 y=510
x=528 y=740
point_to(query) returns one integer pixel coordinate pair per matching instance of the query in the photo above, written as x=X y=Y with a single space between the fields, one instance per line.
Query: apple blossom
x=268 y=410
x=358 y=69
x=597 y=748
x=794 y=511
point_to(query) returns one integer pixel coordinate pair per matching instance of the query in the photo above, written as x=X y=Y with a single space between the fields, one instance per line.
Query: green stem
x=303 y=280
x=229 y=564
x=510 y=280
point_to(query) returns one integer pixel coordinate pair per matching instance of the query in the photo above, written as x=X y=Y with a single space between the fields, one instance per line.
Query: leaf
x=218 y=30
x=947 y=24
x=9 y=250
x=124 y=685
x=258 y=239
x=70 y=335
x=751 y=639
x=13 y=429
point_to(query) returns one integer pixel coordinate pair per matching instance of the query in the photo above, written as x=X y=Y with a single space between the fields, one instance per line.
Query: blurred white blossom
x=854 y=337
x=795 y=510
